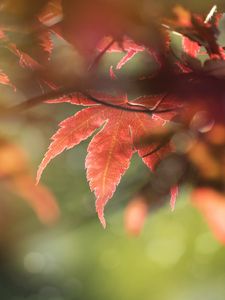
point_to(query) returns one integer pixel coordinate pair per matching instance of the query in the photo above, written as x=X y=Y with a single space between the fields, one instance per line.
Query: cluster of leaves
x=176 y=124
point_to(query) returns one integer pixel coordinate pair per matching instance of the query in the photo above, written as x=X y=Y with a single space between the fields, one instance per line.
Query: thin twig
x=70 y=91
x=126 y=108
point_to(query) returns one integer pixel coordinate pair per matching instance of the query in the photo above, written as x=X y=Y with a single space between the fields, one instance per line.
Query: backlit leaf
x=111 y=149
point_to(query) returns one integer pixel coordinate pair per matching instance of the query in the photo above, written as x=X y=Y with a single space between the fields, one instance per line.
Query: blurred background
x=175 y=257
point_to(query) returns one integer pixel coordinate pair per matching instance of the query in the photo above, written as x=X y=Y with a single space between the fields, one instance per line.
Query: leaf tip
x=101 y=218
x=100 y=212
x=103 y=222
x=41 y=167
x=38 y=176
x=39 y=173
x=111 y=73
x=173 y=197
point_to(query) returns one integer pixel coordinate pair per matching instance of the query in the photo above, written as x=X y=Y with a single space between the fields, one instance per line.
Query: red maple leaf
x=190 y=47
x=111 y=149
x=129 y=47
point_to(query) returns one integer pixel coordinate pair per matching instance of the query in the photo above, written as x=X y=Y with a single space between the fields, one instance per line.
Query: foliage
x=171 y=112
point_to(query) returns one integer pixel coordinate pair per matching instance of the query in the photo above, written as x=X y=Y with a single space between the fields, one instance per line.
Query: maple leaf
x=135 y=215
x=138 y=208
x=129 y=47
x=111 y=149
x=43 y=40
x=190 y=47
x=200 y=31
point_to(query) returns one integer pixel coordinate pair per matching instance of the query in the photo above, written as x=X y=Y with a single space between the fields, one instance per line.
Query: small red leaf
x=128 y=46
x=135 y=215
x=190 y=47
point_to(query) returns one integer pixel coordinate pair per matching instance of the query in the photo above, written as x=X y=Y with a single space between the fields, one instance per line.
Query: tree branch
x=21 y=107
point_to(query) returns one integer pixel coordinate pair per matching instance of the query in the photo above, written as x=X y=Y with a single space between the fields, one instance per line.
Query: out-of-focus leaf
x=212 y=205
x=38 y=197
x=15 y=174
x=135 y=215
